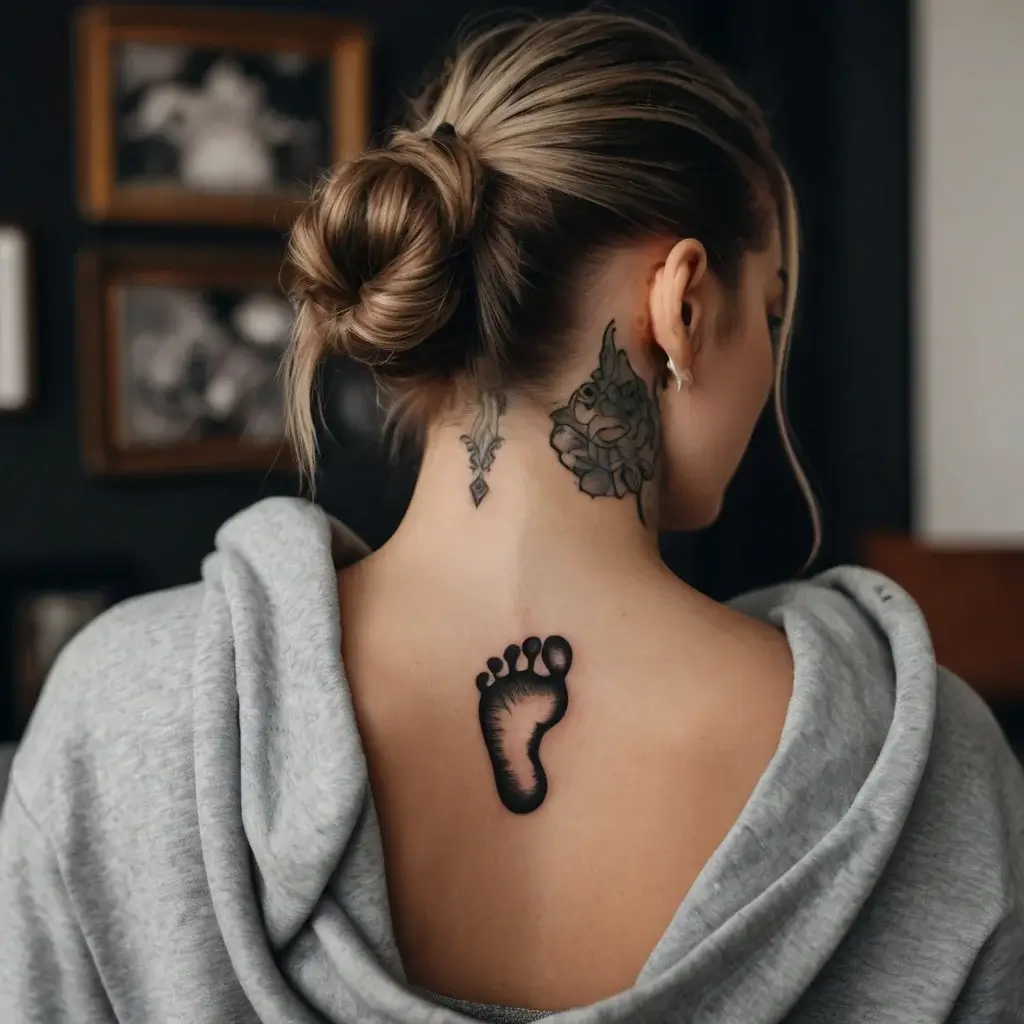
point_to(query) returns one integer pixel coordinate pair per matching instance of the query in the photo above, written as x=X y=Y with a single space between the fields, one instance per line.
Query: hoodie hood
x=801 y=910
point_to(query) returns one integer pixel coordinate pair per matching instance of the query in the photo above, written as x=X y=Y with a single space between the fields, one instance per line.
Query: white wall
x=968 y=245
x=15 y=386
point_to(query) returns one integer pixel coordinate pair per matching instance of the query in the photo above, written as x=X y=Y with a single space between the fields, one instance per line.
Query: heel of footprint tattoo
x=517 y=707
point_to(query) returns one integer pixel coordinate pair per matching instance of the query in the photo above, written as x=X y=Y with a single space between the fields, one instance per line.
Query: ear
x=675 y=282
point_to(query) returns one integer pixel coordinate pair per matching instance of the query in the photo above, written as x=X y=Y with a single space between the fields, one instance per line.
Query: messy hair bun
x=381 y=261
x=596 y=130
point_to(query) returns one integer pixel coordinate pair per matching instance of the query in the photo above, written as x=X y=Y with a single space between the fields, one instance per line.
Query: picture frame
x=179 y=352
x=18 y=357
x=42 y=607
x=213 y=117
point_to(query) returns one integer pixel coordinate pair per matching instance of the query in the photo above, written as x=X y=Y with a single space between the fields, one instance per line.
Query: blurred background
x=150 y=157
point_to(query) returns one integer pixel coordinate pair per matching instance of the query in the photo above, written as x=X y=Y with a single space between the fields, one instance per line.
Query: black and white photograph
x=181 y=353
x=17 y=335
x=207 y=116
x=221 y=121
x=201 y=363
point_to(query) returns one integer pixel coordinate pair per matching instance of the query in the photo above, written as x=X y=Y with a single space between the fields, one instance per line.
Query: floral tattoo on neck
x=608 y=434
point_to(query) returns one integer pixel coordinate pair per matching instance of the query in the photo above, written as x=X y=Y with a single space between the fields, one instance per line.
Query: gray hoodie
x=189 y=833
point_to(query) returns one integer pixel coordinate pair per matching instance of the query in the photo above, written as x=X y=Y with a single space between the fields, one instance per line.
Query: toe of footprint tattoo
x=517 y=707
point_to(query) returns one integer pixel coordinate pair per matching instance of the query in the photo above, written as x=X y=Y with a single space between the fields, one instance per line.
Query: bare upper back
x=673 y=708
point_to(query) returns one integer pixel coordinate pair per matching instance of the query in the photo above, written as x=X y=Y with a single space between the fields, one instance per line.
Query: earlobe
x=683 y=378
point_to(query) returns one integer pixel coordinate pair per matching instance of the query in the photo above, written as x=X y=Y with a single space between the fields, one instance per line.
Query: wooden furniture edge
x=973 y=601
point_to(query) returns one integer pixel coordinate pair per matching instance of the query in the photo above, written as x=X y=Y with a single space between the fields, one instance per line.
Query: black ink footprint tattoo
x=516 y=709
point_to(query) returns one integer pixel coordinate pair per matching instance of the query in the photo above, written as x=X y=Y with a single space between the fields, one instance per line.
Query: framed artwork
x=17 y=329
x=43 y=608
x=179 y=352
x=220 y=117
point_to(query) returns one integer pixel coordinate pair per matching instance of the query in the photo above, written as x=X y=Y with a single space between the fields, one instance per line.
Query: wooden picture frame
x=18 y=338
x=148 y=296
x=156 y=55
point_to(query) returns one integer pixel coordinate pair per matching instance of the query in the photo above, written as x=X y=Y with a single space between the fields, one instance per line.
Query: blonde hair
x=446 y=258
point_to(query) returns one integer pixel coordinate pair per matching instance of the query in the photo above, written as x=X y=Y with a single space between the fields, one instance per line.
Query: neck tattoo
x=483 y=441
x=517 y=707
x=608 y=435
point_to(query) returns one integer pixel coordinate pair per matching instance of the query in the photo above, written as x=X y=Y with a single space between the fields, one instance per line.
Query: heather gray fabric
x=189 y=834
x=6 y=756
x=487 y=1013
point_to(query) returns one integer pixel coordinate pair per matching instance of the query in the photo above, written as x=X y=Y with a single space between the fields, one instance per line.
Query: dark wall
x=834 y=78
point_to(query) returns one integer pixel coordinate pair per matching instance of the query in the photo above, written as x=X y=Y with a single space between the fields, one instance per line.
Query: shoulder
x=870 y=631
x=120 y=687
x=970 y=812
x=842 y=599
x=971 y=791
x=879 y=623
x=975 y=766
x=860 y=621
